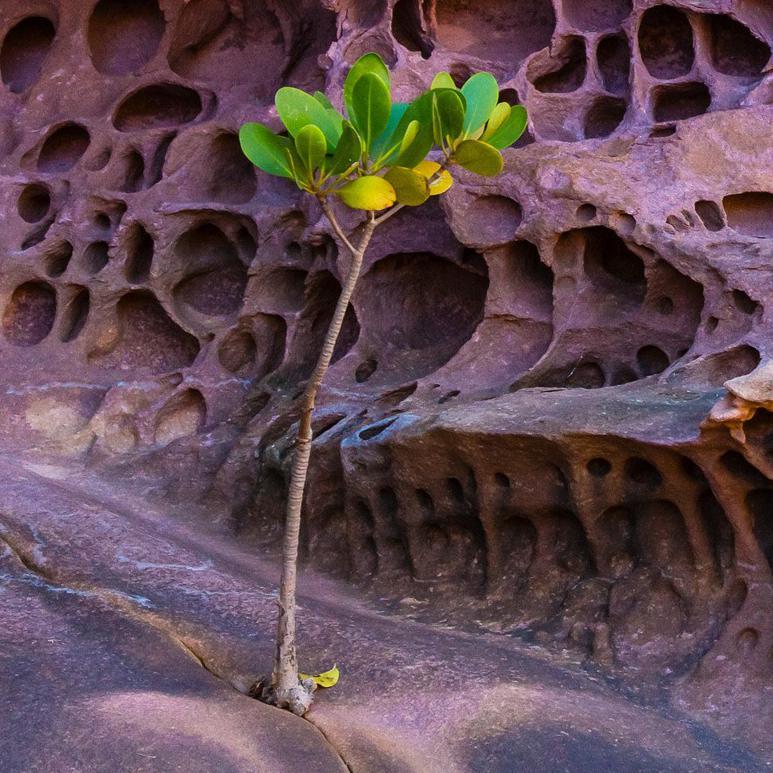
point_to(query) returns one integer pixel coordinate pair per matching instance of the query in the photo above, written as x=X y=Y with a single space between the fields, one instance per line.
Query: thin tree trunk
x=285 y=676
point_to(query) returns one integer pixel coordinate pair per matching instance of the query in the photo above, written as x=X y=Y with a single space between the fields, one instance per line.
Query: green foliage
x=384 y=153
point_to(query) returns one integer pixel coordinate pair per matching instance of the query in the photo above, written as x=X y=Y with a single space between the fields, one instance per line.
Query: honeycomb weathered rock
x=527 y=412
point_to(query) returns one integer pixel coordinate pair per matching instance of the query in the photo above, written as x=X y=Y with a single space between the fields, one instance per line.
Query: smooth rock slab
x=145 y=593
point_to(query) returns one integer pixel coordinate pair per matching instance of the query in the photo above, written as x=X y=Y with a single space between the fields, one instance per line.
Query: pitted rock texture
x=550 y=410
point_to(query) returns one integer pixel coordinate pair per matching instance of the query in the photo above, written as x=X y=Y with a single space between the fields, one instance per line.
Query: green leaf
x=412 y=143
x=497 y=118
x=368 y=63
x=371 y=107
x=411 y=187
x=347 y=152
x=479 y=157
x=297 y=109
x=323 y=100
x=265 y=149
x=447 y=115
x=310 y=145
x=482 y=93
x=510 y=130
x=388 y=139
x=443 y=81
x=369 y=192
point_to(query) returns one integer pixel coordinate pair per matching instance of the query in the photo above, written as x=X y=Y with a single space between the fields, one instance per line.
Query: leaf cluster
x=376 y=154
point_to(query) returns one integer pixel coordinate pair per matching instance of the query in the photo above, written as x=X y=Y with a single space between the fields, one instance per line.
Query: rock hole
x=651 y=360
x=744 y=303
x=570 y=75
x=185 y=414
x=409 y=29
x=211 y=41
x=585 y=213
x=603 y=117
x=492 y=35
x=63 y=148
x=30 y=313
x=664 y=305
x=734 y=49
x=710 y=215
x=124 y=36
x=502 y=480
x=509 y=96
x=423 y=308
x=376 y=429
x=34 y=202
x=215 y=285
x=614 y=59
x=237 y=352
x=455 y=491
x=760 y=505
x=147 y=338
x=57 y=258
x=596 y=16
x=518 y=539
x=156 y=170
x=75 y=314
x=325 y=423
x=642 y=472
x=586 y=375
x=95 y=257
x=622 y=375
x=448 y=396
x=139 y=247
x=617 y=527
x=321 y=295
x=666 y=42
x=395 y=396
x=101 y=160
x=751 y=213
x=612 y=267
x=736 y=464
x=599 y=467
x=37 y=235
x=663 y=131
x=281 y=290
x=24 y=50
x=365 y=370
x=425 y=501
x=720 y=532
x=677 y=103
x=157 y=106
x=131 y=172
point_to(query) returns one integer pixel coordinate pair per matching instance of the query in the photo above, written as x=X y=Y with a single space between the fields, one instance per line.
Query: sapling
x=378 y=157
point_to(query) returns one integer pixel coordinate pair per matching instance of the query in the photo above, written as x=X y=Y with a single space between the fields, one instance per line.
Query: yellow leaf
x=325 y=679
x=369 y=192
x=443 y=182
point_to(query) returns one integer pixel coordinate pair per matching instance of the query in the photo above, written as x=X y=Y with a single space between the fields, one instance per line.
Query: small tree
x=377 y=159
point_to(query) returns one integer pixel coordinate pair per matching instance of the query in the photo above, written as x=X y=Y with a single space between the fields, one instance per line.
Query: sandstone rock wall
x=551 y=407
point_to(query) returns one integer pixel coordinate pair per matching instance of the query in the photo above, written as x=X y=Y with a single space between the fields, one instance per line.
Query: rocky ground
x=129 y=640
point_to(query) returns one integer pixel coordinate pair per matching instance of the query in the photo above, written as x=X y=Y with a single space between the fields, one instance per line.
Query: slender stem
x=285 y=677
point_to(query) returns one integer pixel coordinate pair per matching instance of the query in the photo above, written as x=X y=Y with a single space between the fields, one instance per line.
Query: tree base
x=297 y=699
